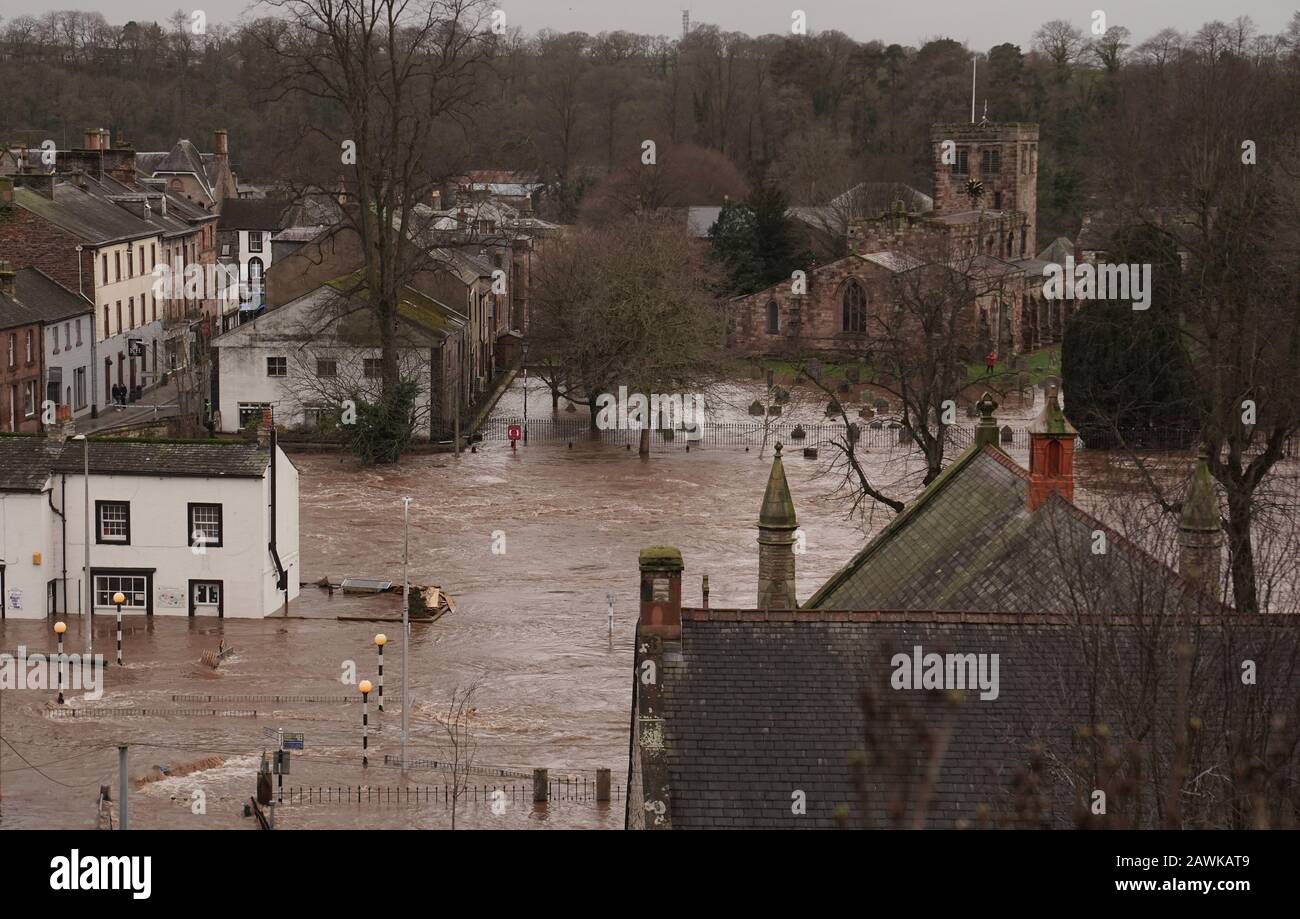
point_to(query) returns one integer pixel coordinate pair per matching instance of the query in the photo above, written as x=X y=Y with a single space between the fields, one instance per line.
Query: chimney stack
x=1051 y=453
x=220 y=142
x=91 y=141
x=661 y=592
x=776 y=528
x=1200 y=537
x=264 y=429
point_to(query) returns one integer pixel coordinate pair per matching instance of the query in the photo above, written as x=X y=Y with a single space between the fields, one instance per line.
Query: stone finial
x=986 y=432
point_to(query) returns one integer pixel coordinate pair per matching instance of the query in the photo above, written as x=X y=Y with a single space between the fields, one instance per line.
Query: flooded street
x=530 y=629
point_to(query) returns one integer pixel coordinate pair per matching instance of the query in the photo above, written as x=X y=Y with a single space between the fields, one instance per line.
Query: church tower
x=776 y=539
x=1001 y=156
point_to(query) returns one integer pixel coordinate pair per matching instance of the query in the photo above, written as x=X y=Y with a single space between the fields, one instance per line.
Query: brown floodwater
x=530 y=632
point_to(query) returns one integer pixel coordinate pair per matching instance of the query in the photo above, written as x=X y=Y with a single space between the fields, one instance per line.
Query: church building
x=983 y=222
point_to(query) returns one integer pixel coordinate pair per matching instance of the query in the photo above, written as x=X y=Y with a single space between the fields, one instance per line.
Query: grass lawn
x=1045 y=362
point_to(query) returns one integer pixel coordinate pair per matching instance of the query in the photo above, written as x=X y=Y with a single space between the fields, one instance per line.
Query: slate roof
x=969 y=543
x=760 y=705
x=26 y=462
x=89 y=214
x=46 y=297
x=253 y=213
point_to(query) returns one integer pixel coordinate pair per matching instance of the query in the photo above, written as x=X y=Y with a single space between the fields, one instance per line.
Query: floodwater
x=530 y=632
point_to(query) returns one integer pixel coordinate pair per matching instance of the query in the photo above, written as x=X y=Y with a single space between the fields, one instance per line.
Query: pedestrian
x=990 y=361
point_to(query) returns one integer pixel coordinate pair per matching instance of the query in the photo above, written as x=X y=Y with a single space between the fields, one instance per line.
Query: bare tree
x=402 y=76
x=459 y=728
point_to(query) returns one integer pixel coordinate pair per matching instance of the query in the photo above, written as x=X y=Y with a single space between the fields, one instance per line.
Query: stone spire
x=776 y=539
x=1200 y=539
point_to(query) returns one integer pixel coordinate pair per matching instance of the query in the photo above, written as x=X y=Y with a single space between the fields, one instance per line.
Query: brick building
x=20 y=359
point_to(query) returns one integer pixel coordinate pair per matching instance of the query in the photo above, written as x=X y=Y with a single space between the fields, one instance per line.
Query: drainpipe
x=282 y=578
x=93 y=370
x=63 y=526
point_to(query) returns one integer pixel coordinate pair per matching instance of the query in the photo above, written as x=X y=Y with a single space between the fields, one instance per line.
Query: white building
x=244 y=239
x=302 y=360
x=199 y=529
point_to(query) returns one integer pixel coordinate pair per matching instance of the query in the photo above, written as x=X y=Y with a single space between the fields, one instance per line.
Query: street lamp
x=118 y=599
x=59 y=629
x=380 y=640
x=85 y=571
x=364 y=686
x=524 y=361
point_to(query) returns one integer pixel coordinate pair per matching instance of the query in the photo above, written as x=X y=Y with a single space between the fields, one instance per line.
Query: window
x=153 y=255
x=773 y=317
x=207 y=593
x=105 y=261
x=130 y=262
x=373 y=368
x=134 y=587
x=251 y=411
x=205 y=528
x=54 y=330
x=130 y=307
x=78 y=333
x=990 y=161
x=254 y=240
x=117 y=266
x=29 y=398
x=13 y=350
x=119 y=316
x=79 y=387
x=961 y=166
x=106 y=320
x=113 y=522
x=277 y=366
x=29 y=346
x=855 y=308
x=327 y=368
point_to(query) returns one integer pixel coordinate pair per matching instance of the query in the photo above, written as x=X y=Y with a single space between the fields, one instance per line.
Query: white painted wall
x=69 y=356
x=160 y=540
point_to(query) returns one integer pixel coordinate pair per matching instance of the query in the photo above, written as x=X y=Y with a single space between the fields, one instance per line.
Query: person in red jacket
x=990 y=361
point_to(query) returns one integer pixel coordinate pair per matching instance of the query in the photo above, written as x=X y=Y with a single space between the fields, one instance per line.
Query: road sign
x=513 y=432
x=135 y=347
x=294 y=741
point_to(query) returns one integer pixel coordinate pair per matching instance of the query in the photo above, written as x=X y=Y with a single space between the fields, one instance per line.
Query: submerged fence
x=871 y=433
x=444 y=794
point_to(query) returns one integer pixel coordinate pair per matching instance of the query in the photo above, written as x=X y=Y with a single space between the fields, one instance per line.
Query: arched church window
x=855 y=307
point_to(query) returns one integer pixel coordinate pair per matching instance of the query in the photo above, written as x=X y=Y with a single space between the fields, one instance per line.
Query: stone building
x=797 y=717
x=982 y=219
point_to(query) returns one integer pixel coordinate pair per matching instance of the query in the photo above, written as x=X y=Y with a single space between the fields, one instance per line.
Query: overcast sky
x=981 y=23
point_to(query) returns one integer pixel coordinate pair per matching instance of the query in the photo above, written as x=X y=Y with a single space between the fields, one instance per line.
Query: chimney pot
x=264 y=429
x=1051 y=453
x=220 y=142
